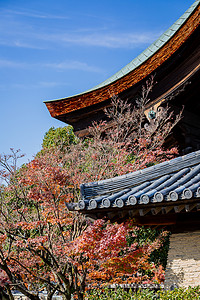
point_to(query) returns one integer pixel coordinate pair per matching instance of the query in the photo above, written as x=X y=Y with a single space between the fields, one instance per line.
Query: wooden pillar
x=183 y=265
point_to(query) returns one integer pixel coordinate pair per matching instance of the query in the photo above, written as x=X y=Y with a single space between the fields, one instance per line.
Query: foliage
x=148 y=235
x=126 y=131
x=177 y=294
x=106 y=250
x=42 y=243
x=117 y=294
x=181 y=293
x=61 y=136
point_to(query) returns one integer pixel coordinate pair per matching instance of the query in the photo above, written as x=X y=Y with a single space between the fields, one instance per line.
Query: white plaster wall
x=183 y=265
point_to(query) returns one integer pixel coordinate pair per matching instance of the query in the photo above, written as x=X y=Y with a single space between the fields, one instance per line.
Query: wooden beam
x=143 y=211
x=157 y=220
x=111 y=215
x=166 y=209
x=178 y=208
x=190 y=207
x=155 y=210
x=133 y=213
x=122 y=214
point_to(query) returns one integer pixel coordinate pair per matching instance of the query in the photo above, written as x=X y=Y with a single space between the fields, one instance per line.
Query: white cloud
x=51 y=84
x=17 y=32
x=11 y=64
x=23 y=33
x=124 y=40
x=20 y=44
x=43 y=84
x=74 y=65
x=33 y=14
x=115 y=40
x=63 y=65
x=112 y=40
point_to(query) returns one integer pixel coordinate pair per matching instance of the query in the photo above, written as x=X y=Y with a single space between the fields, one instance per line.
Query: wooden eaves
x=174 y=57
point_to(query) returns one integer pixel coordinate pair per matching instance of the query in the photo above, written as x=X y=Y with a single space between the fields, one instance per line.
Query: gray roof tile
x=172 y=180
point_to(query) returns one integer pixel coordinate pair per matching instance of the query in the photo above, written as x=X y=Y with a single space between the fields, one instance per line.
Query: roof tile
x=172 y=180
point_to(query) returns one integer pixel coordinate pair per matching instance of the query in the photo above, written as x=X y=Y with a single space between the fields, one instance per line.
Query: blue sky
x=54 y=49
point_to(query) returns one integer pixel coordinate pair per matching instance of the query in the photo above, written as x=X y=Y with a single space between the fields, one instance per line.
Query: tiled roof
x=170 y=181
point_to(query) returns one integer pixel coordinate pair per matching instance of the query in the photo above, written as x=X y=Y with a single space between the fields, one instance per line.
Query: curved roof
x=139 y=68
x=151 y=50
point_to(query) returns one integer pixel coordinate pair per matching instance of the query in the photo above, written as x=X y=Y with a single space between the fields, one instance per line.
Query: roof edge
x=142 y=57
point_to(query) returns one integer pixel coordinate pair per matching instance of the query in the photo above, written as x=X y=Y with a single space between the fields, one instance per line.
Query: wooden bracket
x=178 y=208
x=143 y=211
x=155 y=210
x=166 y=209
x=190 y=207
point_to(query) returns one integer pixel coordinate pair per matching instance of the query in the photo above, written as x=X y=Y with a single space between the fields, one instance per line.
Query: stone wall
x=183 y=265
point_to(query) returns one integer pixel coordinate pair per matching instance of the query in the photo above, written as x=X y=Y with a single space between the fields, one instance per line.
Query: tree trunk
x=80 y=296
x=3 y=294
x=66 y=297
x=11 y=297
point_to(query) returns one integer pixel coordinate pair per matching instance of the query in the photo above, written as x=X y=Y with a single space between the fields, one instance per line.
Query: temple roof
x=165 y=185
x=138 y=69
x=150 y=51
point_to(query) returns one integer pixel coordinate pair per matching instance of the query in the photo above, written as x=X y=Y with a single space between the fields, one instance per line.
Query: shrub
x=177 y=294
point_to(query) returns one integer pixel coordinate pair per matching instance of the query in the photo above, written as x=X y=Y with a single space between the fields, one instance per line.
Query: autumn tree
x=42 y=243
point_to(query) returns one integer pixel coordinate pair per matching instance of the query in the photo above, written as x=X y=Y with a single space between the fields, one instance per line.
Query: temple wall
x=183 y=265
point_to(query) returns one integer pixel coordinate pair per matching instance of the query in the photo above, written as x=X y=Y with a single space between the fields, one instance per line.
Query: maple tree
x=42 y=243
